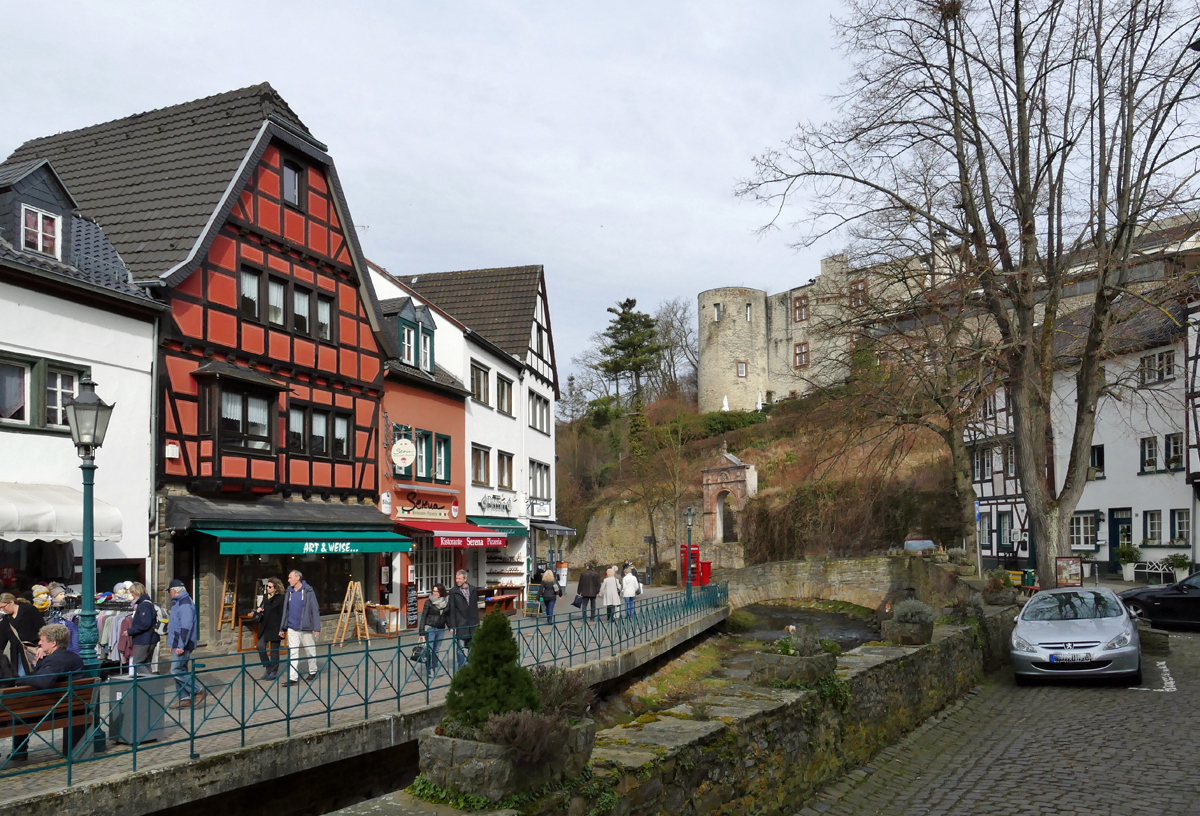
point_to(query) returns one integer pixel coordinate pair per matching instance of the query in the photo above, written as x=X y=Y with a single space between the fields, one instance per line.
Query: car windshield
x=1193 y=580
x=1056 y=606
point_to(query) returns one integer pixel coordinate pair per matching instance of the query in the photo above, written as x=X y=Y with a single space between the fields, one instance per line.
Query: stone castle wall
x=725 y=342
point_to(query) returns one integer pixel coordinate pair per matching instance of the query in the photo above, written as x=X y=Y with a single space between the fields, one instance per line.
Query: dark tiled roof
x=218 y=368
x=96 y=261
x=440 y=376
x=499 y=304
x=183 y=511
x=153 y=179
x=1138 y=325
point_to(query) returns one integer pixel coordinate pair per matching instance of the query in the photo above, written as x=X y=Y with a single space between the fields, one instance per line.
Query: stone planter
x=1001 y=597
x=1127 y=571
x=1181 y=573
x=966 y=569
x=939 y=558
x=771 y=668
x=494 y=771
x=907 y=634
x=1087 y=569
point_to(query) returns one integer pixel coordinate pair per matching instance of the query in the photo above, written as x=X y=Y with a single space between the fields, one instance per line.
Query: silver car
x=1075 y=632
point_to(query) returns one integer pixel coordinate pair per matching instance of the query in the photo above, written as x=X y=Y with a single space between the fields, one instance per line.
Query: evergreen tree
x=493 y=682
x=632 y=347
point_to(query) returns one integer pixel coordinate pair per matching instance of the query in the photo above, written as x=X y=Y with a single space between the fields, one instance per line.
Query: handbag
x=418 y=654
x=578 y=602
x=257 y=617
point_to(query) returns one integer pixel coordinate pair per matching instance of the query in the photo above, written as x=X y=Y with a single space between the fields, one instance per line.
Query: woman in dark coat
x=19 y=628
x=431 y=625
x=268 y=628
x=549 y=593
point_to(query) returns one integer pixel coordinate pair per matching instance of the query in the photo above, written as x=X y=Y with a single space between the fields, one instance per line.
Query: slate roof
x=499 y=304
x=184 y=511
x=96 y=261
x=153 y=179
x=219 y=368
x=1137 y=326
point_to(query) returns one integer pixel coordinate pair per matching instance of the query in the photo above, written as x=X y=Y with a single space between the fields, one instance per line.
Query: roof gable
x=498 y=304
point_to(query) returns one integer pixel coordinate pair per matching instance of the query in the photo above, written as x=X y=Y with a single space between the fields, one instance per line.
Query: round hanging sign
x=454 y=508
x=404 y=452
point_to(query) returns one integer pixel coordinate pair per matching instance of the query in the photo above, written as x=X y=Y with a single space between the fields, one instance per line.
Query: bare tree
x=1054 y=132
x=675 y=371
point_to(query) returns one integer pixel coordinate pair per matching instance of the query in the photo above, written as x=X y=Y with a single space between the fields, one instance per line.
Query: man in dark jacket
x=589 y=588
x=183 y=630
x=143 y=627
x=464 y=616
x=54 y=662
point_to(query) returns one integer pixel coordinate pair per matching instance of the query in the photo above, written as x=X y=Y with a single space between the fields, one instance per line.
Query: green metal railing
x=132 y=718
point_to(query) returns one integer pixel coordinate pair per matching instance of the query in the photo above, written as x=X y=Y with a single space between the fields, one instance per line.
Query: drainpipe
x=153 y=519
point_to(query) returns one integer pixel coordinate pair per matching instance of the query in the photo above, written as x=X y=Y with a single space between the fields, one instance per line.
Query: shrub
x=535 y=736
x=958 y=555
x=716 y=423
x=563 y=693
x=1129 y=554
x=1177 y=561
x=830 y=646
x=492 y=682
x=456 y=730
x=800 y=641
x=913 y=611
x=1001 y=577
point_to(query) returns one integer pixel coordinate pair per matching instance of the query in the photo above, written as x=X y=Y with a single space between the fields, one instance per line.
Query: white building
x=1139 y=487
x=69 y=311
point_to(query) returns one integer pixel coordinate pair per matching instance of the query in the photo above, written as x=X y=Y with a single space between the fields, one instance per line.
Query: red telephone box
x=683 y=560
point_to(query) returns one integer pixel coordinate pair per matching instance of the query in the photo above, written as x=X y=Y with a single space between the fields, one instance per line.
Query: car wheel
x=1136 y=610
x=1135 y=679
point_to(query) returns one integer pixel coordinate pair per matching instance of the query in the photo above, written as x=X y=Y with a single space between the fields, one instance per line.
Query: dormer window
x=407 y=341
x=40 y=232
x=427 y=352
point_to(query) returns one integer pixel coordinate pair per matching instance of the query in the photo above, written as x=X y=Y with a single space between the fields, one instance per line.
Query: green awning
x=510 y=527
x=308 y=542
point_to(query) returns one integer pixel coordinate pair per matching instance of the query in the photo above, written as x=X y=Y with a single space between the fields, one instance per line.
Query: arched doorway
x=726 y=520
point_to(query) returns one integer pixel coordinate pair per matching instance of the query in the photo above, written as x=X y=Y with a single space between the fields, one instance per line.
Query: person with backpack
x=143 y=629
x=183 y=632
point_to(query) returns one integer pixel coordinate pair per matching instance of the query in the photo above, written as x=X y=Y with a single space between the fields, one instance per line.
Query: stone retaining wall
x=763 y=750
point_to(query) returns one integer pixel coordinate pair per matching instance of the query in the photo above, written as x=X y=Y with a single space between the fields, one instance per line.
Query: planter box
x=966 y=569
x=1087 y=569
x=1001 y=597
x=770 y=668
x=907 y=634
x=1127 y=571
x=493 y=771
x=1182 y=573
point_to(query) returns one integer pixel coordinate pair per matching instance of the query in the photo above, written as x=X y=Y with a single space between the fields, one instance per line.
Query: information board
x=1069 y=571
x=411 y=609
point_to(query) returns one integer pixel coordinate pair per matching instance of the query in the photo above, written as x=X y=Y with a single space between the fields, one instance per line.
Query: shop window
x=433 y=565
x=245 y=421
x=504 y=470
x=40 y=232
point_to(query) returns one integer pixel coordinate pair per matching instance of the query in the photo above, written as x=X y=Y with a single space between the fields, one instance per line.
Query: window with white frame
x=441 y=459
x=800 y=355
x=1181 y=526
x=433 y=565
x=1152 y=524
x=480 y=466
x=983 y=530
x=1082 y=532
x=539 y=412
x=741 y=368
x=504 y=470
x=1173 y=451
x=407 y=347
x=988 y=409
x=60 y=386
x=40 y=232
x=981 y=464
x=427 y=352
x=1156 y=367
x=858 y=293
x=424 y=443
x=800 y=308
x=716 y=312
x=539 y=480
x=1149 y=454
x=245 y=421
x=1010 y=460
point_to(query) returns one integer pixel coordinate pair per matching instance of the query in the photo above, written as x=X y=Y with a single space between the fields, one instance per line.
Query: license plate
x=1071 y=657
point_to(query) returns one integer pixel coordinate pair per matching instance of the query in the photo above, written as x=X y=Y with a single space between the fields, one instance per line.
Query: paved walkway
x=354 y=684
x=1066 y=748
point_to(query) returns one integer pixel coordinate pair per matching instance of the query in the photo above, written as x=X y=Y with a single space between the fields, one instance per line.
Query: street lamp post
x=690 y=515
x=88 y=416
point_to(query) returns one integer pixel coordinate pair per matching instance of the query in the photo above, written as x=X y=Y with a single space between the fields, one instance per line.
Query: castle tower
x=733 y=335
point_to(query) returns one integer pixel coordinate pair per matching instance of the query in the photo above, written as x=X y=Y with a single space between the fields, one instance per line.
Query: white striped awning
x=36 y=512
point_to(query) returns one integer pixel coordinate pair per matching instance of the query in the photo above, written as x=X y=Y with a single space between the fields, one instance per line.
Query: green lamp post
x=690 y=515
x=88 y=416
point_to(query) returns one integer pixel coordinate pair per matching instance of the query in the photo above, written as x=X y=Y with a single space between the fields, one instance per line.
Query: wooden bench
x=1163 y=571
x=24 y=709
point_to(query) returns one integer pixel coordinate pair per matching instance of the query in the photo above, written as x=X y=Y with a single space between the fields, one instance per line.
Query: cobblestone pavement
x=234 y=697
x=1077 y=748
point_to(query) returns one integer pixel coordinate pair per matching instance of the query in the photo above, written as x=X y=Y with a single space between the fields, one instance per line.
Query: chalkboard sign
x=411 y=594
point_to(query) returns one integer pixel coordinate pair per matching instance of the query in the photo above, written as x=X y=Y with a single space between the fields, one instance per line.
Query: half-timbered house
x=270 y=373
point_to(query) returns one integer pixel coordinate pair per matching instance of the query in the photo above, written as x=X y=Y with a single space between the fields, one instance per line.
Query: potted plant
x=1087 y=557
x=1128 y=556
x=998 y=589
x=507 y=731
x=1181 y=563
x=911 y=623
x=797 y=657
x=961 y=561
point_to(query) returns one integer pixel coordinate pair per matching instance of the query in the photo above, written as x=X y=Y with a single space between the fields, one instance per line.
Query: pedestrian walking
x=432 y=625
x=589 y=588
x=19 y=631
x=610 y=592
x=549 y=593
x=183 y=630
x=300 y=624
x=143 y=629
x=630 y=588
x=464 y=617
x=270 y=622
x=52 y=665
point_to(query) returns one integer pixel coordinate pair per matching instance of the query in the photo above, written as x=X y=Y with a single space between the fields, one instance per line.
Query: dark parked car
x=1169 y=603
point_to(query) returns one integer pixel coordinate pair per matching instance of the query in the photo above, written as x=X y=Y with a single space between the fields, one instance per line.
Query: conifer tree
x=493 y=682
x=632 y=346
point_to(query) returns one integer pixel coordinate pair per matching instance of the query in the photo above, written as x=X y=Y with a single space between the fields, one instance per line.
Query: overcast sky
x=601 y=140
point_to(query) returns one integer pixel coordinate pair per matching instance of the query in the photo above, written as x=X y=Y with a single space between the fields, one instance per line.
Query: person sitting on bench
x=52 y=665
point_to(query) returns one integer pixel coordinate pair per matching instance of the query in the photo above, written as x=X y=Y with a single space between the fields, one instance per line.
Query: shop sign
x=493 y=501
x=385 y=503
x=404 y=453
x=539 y=508
x=329 y=547
x=413 y=506
x=470 y=541
x=454 y=508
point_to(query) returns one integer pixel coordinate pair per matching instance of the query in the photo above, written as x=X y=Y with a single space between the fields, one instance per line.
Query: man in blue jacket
x=142 y=629
x=54 y=663
x=183 y=630
x=301 y=624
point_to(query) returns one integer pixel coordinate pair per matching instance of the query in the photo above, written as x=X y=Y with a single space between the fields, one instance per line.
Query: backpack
x=161 y=621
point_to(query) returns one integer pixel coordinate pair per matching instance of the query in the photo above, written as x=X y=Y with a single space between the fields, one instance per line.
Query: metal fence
x=125 y=721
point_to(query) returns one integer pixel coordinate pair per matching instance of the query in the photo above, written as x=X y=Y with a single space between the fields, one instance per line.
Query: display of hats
x=41 y=602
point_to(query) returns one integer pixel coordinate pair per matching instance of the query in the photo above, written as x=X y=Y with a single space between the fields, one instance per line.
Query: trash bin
x=705 y=572
x=138 y=710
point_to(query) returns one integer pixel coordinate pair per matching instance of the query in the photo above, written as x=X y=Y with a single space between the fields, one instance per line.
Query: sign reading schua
x=328 y=547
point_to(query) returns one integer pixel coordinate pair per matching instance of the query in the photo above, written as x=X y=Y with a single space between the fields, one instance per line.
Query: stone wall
x=761 y=750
